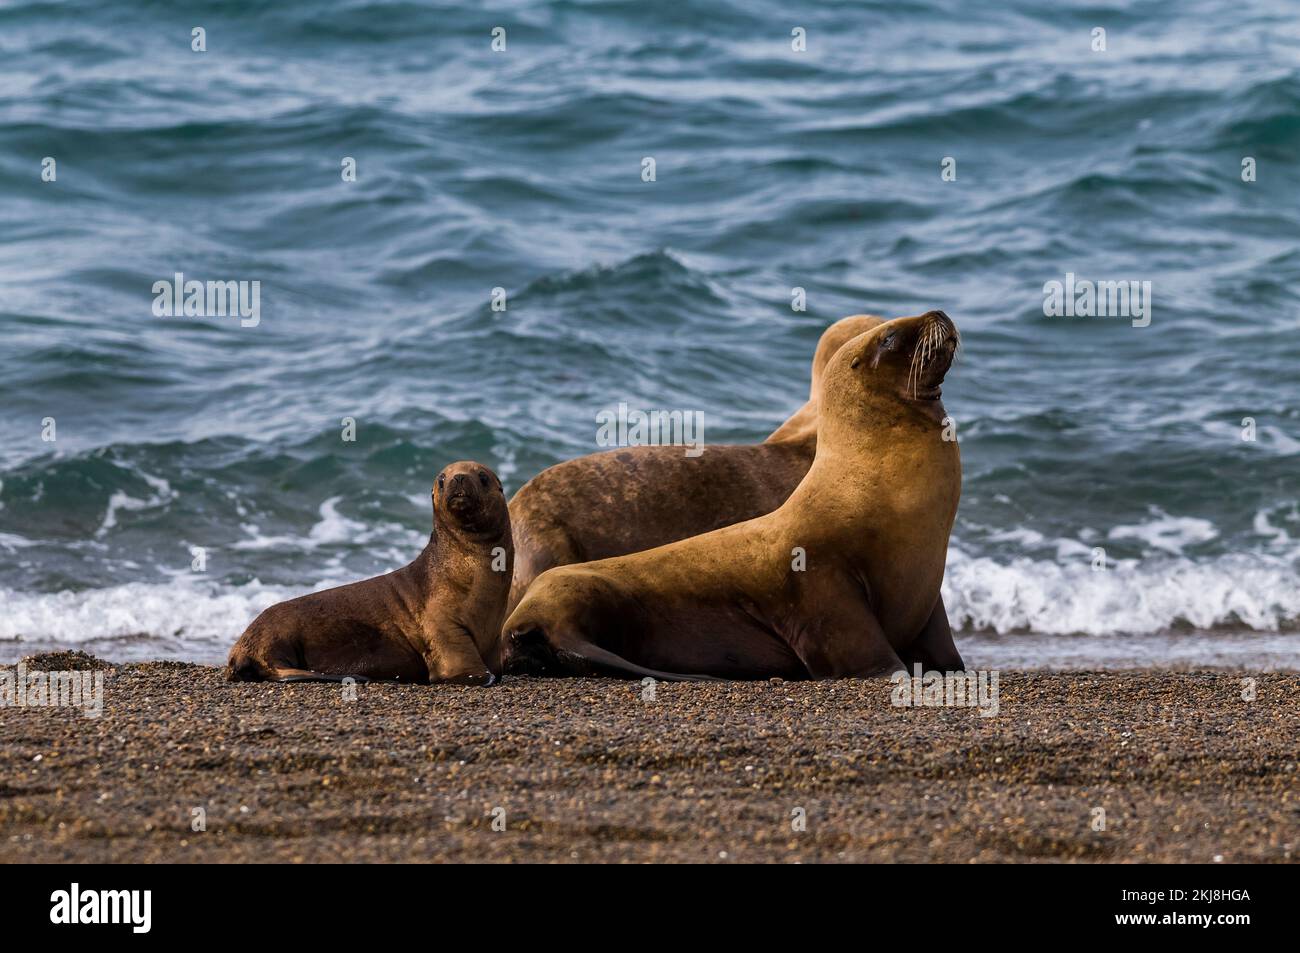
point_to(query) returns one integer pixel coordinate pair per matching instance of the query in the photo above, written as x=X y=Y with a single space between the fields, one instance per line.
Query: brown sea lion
x=841 y=580
x=634 y=498
x=434 y=620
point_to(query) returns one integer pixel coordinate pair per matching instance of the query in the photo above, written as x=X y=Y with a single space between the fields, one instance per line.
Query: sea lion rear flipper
x=603 y=658
x=278 y=674
x=535 y=652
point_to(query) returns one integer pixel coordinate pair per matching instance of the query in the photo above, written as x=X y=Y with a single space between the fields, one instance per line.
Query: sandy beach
x=1184 y=768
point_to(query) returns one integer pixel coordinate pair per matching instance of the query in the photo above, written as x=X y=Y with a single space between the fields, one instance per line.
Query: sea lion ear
x=855 y=362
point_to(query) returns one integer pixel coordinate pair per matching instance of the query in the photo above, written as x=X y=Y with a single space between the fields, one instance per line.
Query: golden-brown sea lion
x=434 y=620
x=634 y=498
x=841 y=580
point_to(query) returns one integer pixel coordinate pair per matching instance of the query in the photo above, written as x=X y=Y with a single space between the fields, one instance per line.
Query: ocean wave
x=333 y=529
x=1022 y=597
x=776 y=170
x=1254 y=592
x=197 y=620
x=1266 y=117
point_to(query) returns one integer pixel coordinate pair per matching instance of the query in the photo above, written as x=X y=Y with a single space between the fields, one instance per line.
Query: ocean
x=473 y=227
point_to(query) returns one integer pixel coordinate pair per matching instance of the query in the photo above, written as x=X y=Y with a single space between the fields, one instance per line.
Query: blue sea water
x=522 y=169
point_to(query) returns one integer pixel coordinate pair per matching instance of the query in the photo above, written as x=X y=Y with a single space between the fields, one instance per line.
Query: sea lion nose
x=459 y=481
x=940 y=318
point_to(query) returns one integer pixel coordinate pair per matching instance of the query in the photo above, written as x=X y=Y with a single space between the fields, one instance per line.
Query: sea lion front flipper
x=453 y=658
x=845 y=641
x=934 y=648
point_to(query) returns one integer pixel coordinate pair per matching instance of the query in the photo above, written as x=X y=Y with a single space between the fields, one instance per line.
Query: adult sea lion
x=435 y=620
x=841 y=580
x=634 y=498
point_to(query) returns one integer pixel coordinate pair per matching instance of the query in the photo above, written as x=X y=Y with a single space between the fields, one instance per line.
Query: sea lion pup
x=634 y=498
x=841 y=580
x=434 y=620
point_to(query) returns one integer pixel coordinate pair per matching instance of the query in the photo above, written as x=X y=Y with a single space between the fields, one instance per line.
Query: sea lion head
x=468 y=498
x=834 y=338
x=904 y=360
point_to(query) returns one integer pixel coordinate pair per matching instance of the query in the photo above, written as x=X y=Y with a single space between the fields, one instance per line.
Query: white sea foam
x=12 y=541
x=1268 y=438
x=1278 y=537
x=332 y=529
x=1165 y=590
x=1170 y=534
x=202 y=619
x=1131 y=597
x=163 y=493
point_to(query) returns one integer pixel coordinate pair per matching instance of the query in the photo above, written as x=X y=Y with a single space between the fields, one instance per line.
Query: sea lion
x=841 y=580
x=634 y=498
x=434 y=620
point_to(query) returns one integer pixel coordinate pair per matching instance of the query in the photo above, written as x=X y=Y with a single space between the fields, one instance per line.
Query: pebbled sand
x=585 y=770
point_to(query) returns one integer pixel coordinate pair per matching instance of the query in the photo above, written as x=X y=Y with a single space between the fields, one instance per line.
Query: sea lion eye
x=888 y=341
x=442 y=478
x=482 y=478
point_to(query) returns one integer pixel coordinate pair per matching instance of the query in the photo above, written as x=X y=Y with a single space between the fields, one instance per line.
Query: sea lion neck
x=800 y=427
x=447 y=536
x=833 y=338
x=879 y=424
x=899 y=460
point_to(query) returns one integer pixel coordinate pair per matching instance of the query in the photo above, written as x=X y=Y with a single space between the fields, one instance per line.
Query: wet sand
x=588 y=770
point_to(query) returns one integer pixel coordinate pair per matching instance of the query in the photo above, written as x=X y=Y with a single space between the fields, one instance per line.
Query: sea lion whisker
x=924 y=355
x=929 y=340
x=914 y=371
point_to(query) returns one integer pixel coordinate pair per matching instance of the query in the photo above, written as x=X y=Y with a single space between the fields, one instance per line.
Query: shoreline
x=1184 y=768
x=1228 y=650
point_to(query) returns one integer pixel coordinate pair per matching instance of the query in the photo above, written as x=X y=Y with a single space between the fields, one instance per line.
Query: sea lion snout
x=933 y=351
x=923 y=348
x=933 y=330
x=461 y=493
x=902 y=359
